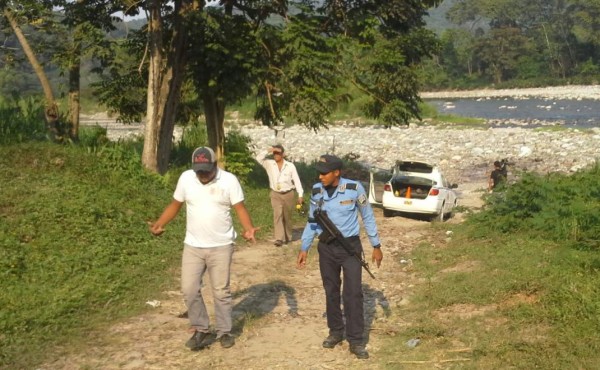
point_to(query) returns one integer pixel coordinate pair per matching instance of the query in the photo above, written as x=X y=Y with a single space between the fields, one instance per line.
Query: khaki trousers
x=282 y=214
x=217 y=262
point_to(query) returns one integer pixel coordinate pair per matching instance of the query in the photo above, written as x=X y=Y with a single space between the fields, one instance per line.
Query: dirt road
x=279 y=311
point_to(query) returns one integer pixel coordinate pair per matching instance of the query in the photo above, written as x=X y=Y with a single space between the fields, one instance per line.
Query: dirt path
x=278 y=313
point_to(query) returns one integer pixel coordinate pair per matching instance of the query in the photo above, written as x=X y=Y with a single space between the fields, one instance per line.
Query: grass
x=75 y=247
x=75 y=251
x=517 y=287
x=508 y=298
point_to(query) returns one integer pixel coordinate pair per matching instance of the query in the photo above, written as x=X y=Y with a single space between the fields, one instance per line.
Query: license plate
x=409 y=202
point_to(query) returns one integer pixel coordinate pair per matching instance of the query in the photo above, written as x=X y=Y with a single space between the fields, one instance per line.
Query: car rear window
x=417 y=167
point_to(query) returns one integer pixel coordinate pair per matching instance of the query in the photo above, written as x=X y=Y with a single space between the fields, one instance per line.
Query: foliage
x=557 y=207
x=122 y=87
x=75 y=252
x=301 y=80
x=238 y=157
x=517 y=286
x=385 y=69
x=21 y=120
x=224 y=55
x=529 y=43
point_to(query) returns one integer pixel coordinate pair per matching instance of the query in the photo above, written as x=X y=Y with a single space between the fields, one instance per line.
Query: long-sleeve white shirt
x=284 y=179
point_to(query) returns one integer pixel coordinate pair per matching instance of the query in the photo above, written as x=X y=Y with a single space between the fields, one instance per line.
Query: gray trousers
x=217 y=262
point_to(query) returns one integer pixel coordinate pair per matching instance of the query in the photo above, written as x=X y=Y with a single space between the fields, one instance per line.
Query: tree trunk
x=74 y=99
x=214 y=111
x=51 y=109
x=166 y=73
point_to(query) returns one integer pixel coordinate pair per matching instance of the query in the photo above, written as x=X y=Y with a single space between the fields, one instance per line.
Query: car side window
x=444 y=182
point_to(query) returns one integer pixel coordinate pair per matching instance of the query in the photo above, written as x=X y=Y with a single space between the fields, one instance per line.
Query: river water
x=582 y=113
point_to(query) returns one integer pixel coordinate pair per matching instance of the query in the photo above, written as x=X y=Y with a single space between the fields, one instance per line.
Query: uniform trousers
x=282 y=204
x=217 y=262
x=333 y=260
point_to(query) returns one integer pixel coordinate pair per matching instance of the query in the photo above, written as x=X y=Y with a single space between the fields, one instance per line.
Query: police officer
x=343 y=199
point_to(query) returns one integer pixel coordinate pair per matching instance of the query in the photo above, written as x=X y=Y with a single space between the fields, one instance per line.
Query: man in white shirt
x=209 y=193
x=283 y=181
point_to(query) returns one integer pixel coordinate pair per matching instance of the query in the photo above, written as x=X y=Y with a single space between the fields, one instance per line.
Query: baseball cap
x=203 y=159
x=328 y=163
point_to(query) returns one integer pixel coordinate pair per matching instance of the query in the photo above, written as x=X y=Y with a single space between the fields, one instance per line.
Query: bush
x=21 y=120
x=555 y=206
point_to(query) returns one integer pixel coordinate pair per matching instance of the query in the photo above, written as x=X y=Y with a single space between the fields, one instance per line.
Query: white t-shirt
x=208 y=208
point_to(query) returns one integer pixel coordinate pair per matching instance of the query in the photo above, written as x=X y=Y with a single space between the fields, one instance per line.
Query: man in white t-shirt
x=283 y=181
x=209 y=193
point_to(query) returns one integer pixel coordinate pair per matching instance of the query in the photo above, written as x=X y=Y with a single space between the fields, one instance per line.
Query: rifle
x=331 y=232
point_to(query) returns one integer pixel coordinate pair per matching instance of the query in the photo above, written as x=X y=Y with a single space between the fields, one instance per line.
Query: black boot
x=359 y=351
x=332 y=341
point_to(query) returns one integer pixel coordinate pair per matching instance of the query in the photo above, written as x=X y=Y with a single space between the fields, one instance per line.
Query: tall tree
x=83 y=26
x=297 y=71
x=13 y=12
x=167 y=37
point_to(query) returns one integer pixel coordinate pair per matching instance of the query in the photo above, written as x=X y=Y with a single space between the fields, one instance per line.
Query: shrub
x=21 y=120
x=554 y=206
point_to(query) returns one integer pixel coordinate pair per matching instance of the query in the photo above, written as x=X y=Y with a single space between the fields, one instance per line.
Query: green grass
x=74 y=247
x=75 y=250
x=515 y=297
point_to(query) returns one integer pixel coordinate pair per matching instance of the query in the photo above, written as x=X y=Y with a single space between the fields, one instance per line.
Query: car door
x=378 y=177
x=449 y=196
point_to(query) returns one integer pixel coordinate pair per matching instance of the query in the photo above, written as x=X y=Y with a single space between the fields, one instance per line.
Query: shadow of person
x=297 y=233
x=259 y=300
x=372 y=299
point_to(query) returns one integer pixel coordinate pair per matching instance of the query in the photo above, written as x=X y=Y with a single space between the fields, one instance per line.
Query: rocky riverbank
x=465 y=155
x=577 y=92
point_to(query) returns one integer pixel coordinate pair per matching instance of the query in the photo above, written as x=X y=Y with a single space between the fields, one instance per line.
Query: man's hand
x=301 y=260
x=300 y=200
x=377 y=256
x=155 y=228
x=249 y=234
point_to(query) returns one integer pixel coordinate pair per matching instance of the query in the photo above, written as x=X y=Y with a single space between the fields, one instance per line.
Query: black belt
x=282 y=192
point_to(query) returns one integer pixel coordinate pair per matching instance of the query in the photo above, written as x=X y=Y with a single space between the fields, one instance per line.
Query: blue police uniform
x=342 y=206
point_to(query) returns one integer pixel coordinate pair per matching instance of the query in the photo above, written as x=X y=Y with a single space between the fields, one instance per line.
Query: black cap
x=203 y=159
x=328 y=163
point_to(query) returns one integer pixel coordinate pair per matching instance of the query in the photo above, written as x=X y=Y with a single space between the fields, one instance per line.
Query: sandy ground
x=279 y=310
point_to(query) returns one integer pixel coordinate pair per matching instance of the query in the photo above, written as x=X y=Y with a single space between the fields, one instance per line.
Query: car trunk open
x=411 y=186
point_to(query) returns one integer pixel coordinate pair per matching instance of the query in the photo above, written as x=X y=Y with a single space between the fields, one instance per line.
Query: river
x=509 y=111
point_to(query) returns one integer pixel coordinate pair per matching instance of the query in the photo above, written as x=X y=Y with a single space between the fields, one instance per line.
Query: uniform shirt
x=282 y=180
x=208 y=208
x=343 y=207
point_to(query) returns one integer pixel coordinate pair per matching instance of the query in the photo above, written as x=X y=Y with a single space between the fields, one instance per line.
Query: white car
x=414 y=187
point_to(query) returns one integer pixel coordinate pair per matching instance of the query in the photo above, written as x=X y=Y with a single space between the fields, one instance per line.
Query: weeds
x=21 y=120
x=518 y=286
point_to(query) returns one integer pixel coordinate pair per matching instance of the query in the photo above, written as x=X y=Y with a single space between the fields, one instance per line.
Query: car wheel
x=441 y=217
x=387 y=213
